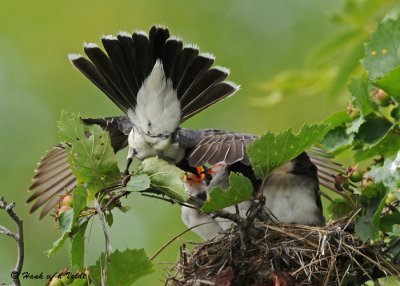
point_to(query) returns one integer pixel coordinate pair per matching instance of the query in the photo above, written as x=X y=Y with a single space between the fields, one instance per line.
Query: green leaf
x=388 y=221
x=382 y=52
x=77 y=252
x=125 y=267
x=240 y=190
x=80 y=282
x=373 y=201
x=138 y=183
x=361 y=96
x=109 y=218
x=91 y=157
x=337 y=140
x=395 y=113
x=66 y=220
x=388 y=174
x=271 y=151
x=337 y=119
x=165 y=177
x=390 y=83
x=355 y=125
x=373 y=129
x=79 y=200
x=377 y=139
x=57 y=245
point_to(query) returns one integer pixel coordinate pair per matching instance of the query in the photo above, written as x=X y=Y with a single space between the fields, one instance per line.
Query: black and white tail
x=128 y=60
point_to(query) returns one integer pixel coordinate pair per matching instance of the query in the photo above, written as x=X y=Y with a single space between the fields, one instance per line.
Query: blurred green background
x=257 y=40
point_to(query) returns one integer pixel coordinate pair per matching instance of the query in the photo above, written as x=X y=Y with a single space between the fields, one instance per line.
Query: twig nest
x=284 y=254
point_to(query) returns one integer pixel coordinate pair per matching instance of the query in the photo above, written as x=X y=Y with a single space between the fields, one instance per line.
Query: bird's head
x=195 y=184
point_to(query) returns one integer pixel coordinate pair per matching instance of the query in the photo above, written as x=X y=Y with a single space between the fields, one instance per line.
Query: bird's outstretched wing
x=128 y=60
x=213 y=146
x=53 y=176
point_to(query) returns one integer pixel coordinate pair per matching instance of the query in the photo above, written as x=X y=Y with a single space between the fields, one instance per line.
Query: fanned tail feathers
x=128 y=60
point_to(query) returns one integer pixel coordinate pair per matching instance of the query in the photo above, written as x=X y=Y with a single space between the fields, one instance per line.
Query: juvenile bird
x=203 y=225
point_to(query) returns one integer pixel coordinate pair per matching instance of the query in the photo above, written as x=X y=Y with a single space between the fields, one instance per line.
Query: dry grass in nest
x=283 y=254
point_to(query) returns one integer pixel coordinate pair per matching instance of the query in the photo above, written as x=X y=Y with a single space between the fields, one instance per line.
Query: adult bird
x=158 y=83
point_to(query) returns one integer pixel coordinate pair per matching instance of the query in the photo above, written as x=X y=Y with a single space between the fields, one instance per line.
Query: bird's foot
x=126 y=177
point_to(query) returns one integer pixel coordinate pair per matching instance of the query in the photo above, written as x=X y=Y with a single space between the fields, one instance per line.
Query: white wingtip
x=140 y=32
x=191 y=46
x=174 y=38
x=223 y=69
x=108 y=37
x=73 y=57
x=234 y=85
x=90 y=45
x=208 y=56
x=124 y=34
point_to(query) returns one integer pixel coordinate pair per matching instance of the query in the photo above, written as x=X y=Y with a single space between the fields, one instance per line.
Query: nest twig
x=294 y=254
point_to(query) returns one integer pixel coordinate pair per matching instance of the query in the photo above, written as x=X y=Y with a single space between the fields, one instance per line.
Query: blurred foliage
x=330 y=64
x=256 y=41
x=371 y=132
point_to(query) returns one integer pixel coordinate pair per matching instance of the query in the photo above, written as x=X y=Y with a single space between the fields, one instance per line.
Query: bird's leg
x=126 y=176
x=128 y=164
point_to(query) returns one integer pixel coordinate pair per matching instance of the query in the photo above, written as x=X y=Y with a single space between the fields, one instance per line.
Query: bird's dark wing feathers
x=53 y=176
x=129 y=59
x=213 y=146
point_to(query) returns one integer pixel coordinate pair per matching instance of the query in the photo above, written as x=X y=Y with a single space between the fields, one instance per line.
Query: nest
x=283 y=254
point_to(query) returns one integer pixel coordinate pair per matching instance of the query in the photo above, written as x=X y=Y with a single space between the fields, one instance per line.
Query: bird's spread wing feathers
x=128 y=60
x=53 y=176
x=213 y=146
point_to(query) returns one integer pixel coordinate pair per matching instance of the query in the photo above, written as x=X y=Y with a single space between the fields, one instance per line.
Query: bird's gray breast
x=291 y=198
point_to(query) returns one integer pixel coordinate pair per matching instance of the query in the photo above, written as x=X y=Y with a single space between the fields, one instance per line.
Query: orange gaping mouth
x=200 y=176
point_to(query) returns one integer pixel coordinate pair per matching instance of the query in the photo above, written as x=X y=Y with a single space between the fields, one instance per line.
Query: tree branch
x=18 y=237
x=107 y=241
